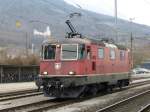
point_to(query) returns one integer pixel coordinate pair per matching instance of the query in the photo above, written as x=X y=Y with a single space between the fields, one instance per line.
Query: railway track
x=131 y=104
x=45 y=104
x=41 y=105
x=145 y=108
x=132 y=85
x=9 y=94
x=138 y=84
x=19 y=94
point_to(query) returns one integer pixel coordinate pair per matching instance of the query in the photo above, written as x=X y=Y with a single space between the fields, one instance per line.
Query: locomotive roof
x=82 y=41
x=67 y=40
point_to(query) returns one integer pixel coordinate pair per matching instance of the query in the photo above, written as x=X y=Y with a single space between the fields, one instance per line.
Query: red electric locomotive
x=75 y=66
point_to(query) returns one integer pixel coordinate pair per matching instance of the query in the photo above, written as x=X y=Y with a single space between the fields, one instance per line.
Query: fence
x=11 y=73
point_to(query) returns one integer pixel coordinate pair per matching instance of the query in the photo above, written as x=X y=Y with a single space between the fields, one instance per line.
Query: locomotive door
x=101 y=54
x=91 y=61
x=113 y=59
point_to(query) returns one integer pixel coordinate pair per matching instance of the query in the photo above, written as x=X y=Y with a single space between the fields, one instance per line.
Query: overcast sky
x=138 y=9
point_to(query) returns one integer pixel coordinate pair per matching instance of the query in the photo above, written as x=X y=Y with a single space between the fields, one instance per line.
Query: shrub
x=18 y=60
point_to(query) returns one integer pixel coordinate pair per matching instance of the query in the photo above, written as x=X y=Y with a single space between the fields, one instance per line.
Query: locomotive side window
x=122 y=55
x=49 y=52
x=69 y=51
x=112 y=54
x=101 y=53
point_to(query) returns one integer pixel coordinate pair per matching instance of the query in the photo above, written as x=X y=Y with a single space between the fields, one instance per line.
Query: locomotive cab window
x=101 y=53
x=49 y=52
x=112 y=54
x=69 y=51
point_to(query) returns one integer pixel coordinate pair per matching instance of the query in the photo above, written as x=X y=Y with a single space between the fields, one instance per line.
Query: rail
x=145 y=108
x=122 y=102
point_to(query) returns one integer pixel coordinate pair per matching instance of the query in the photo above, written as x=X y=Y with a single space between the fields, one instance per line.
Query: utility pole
x=116 y=18
x=131 y=40
x=116 y=15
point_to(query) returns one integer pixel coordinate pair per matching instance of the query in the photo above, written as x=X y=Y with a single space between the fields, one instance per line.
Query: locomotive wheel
x=91 y=90
x=123 y=83
x=73 y=92
x=110 y=88
x=120 y=84
x=94 y=90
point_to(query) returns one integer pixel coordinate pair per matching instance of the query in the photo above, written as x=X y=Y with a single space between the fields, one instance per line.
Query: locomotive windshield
x=69 y=51
x=49 y=51
x=73 y=51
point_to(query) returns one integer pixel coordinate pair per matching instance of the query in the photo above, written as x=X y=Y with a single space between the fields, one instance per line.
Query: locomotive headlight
x=57 y=66
x=58 y=45
x=71 y=73
x=45 y=73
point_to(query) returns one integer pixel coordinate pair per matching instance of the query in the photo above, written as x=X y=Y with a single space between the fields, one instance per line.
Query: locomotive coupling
x=54 y=84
